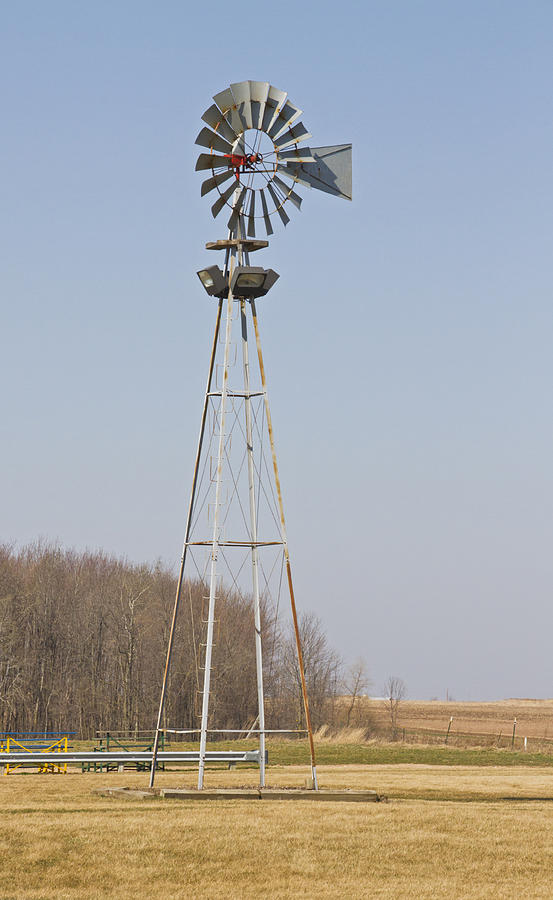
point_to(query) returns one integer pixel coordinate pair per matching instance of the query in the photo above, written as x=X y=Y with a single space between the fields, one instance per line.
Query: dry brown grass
x=60 y=841
x=340 y=736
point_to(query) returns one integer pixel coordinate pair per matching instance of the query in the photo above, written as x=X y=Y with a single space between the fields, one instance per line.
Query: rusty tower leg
x=285 y=547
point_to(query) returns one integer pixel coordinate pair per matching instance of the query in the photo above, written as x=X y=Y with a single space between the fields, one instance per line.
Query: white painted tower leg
x=253 y=538
x=215 y=546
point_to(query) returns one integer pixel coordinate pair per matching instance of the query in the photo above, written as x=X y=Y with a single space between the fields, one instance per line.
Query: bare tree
x=83 y=638
x=322 y=673
x=395 y=690
x=356 y=683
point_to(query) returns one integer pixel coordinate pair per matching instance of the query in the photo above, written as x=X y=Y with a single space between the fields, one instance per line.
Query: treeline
x=83 y=638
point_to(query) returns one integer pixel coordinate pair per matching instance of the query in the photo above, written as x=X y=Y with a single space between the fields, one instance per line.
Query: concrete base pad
x=344 y=796
x=124 y=793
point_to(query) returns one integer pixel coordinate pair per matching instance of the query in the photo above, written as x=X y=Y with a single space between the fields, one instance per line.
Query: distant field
x=491 y=721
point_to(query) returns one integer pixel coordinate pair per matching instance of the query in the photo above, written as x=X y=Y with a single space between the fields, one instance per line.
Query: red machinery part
x=242 y=162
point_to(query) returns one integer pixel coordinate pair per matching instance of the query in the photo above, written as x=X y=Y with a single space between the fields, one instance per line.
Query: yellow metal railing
x=59 y=746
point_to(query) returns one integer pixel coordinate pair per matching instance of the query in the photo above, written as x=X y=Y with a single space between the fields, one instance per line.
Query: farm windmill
x=255 y=158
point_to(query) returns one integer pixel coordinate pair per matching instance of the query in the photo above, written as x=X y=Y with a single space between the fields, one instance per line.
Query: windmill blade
x=208 y=138
x=251 y=216
x=236 y=220
x=241 y=94
x=296 y=155
x=211 y=161
x=237 y=206
x=233 y=117
x=331 y=171
x=259 y=91
x=278 y=204
x=291 y=172
x=293 y=136
x=240 y=146
x=215 y=181
x=224 y=100
x=236 y=225
x=268 y=226
x=216 y=120
x=290 y=194
x=227 y=104
x=223 y=200
x=274 y=103
x=286 y=117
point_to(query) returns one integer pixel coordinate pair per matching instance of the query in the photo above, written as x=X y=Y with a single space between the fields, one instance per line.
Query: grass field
x=460 y=822
x=446 y=832
x=343 y=751
x=377 y=752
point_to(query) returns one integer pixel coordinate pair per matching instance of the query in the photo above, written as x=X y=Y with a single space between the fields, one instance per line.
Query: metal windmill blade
x=227 y=104
x=274 y=103
x=266 y=217
x=288 y=192
x=216 y=120
x=236 y=220
x=251 y=216
x=255 y=137
x=213 y=141
x=210 y=183
x=296 y=155
x=222 y=201
x=259 y=91
x=242 y=98
x=284 y=119
x=292 y=136
x=279 y=203
x=211 y=161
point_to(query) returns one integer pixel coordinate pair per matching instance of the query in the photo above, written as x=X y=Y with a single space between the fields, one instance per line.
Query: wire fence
x=504 y=740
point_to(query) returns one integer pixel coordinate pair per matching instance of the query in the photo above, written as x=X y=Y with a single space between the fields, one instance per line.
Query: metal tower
x=235 y=517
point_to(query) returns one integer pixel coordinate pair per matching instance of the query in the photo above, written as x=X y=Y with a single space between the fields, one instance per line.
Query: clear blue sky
x=408 y=341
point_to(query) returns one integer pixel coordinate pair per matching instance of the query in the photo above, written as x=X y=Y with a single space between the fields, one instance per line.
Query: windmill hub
x=244 y=163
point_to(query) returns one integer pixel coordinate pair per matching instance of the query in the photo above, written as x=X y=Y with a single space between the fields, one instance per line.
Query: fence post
x=513 y=737
x=448 y=729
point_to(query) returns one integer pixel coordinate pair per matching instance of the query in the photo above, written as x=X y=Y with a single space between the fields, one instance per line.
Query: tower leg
x=185 y=546
x=253 y=538
x=215 y=548
x=285 y=547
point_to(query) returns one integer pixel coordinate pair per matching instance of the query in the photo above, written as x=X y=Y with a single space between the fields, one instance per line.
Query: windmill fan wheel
x=253 y=139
